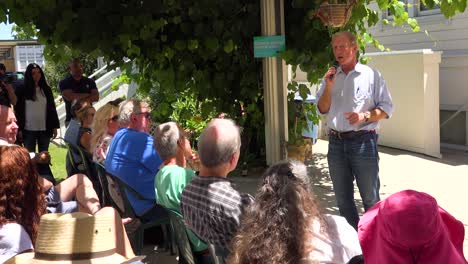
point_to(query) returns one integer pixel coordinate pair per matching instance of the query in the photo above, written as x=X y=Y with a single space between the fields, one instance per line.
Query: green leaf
x=193 y=44
x=228 y=46
x=179 y=45
x=303 y=91
x=212 y=43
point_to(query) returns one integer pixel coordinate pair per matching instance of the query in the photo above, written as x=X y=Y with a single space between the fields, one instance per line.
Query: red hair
x=21 y=198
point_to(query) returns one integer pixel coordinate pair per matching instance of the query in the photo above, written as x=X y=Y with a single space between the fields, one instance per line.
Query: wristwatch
x=367 y=115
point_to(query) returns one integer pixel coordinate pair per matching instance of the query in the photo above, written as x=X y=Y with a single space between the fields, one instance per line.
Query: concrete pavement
x=445 y=179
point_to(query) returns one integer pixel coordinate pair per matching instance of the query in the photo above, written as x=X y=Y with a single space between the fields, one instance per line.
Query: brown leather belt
x=349 y=134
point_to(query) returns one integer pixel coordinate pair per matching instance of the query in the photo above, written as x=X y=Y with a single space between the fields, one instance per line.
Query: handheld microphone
x=335 y=65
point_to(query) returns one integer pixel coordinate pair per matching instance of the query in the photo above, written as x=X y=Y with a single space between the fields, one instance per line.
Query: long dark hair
x=275 y=227
x=30 y=85
x=21 y=198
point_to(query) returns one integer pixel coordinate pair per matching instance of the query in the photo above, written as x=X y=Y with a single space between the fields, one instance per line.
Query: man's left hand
x=355 y=118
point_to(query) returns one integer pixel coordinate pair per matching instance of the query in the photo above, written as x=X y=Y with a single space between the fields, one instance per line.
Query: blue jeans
x=349 y=159
x=39 y=138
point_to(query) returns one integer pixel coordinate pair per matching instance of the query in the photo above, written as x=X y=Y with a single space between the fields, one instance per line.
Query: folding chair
x=180 y=234
x=81 y=162
x=135 y=229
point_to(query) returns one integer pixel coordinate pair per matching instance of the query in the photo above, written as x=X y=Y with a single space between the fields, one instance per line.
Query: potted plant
x=302 y=116
x=334 y=13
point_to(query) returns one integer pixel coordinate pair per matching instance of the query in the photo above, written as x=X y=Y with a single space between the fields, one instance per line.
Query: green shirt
x=168 y=185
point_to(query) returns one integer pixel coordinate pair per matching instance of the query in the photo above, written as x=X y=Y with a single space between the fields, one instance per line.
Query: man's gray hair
x=350 y=36
x=129 y=107
x=219 y=141
x=165 y=140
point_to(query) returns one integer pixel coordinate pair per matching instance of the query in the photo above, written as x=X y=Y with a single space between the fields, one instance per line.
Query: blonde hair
x=101 y=118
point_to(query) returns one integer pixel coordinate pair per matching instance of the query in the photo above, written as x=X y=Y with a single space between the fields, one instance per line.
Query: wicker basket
x=335 y=15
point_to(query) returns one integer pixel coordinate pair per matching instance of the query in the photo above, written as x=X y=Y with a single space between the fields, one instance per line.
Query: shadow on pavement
x=322 y=185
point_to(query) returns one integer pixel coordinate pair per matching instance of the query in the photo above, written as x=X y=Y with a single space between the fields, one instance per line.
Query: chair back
x=84 y=164
x=118 y=196
x=181 y=238
x=219 y=254
x=101 y=174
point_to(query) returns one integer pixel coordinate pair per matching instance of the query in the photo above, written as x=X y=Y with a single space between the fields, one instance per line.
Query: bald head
x=8 y=126
x=218 y=143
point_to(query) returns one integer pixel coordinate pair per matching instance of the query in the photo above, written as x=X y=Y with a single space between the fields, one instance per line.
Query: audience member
x=174 y=148
x=59 y=197
x=212 y=208
x=21 y=211
x=80 y=238
x=104 y=127
x=37 y=116
x=86 y=117
x=7 y=93
x=77 y=87
x=409 y=227
x=285 y=224
x=73 y=129
x=22 y=202
x=133 y=158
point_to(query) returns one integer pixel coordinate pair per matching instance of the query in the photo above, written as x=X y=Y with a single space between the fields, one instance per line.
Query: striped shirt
x=213 y=209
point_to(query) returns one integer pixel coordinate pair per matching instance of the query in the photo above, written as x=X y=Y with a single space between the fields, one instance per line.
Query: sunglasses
x=147 y=115
x=115 y=118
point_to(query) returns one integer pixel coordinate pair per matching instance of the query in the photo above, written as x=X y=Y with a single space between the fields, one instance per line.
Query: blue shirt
x=133 y=158
x=362 y=89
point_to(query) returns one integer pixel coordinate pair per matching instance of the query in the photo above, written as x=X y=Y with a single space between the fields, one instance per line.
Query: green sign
x=268 y=46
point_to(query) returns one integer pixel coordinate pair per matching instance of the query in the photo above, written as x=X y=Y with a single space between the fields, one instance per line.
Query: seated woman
x=24 y=203
x=85 y=116
x=104 y=127
x=285 y=224
x=409 y=227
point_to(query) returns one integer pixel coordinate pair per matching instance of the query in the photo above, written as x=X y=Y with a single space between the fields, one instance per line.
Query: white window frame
x=433 y=11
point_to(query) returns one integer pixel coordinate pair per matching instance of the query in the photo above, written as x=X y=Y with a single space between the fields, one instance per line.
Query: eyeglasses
x=114 y=118
x=147 y=115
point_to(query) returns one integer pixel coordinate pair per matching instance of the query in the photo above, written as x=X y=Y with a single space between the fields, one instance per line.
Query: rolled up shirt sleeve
x=319 y=94
x=382 y=97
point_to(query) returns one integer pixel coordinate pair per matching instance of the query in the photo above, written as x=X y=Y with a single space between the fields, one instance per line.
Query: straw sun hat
x=74 y=238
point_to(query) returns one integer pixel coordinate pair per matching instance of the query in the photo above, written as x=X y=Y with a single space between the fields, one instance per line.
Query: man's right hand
x=330 y=77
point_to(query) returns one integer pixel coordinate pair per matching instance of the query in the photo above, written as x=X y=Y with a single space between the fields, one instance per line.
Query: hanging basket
x=335 y=15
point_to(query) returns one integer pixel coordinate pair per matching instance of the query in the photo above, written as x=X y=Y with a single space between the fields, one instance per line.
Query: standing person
x=77 y=87
x=355 y=98
x=37 y=116
x=7 y=93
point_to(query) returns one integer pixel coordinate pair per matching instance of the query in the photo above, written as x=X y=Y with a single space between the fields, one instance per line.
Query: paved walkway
x=445 y=179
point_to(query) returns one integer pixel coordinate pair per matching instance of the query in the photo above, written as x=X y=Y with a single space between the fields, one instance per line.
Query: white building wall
x=439 y=34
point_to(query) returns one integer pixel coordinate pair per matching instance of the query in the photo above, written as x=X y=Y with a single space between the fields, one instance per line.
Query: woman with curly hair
x=285 y=224
x=105 y=125
x=22 y=202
